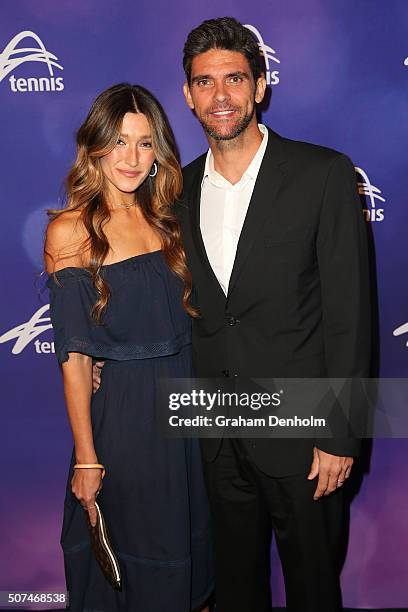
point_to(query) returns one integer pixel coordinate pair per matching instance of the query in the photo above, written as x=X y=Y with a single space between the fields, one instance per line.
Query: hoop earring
x=154 y=171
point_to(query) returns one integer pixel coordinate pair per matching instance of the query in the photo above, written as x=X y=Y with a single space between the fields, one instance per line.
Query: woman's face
x=131 y=160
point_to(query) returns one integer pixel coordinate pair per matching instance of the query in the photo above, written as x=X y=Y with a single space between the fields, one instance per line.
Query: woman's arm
x=77 y=376
x=63 y=239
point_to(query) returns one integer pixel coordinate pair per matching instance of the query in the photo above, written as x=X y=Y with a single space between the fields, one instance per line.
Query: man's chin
x=226 y=131
x=222 y=133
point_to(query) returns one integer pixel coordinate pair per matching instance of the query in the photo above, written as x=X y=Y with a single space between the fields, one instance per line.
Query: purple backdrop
x=339 y=78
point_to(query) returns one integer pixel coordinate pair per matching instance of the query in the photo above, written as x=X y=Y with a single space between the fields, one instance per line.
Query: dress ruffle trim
x=123 y=352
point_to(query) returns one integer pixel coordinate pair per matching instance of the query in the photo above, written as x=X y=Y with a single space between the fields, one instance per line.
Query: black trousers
x=246 y=505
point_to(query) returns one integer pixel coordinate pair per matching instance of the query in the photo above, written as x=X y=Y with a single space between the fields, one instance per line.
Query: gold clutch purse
x=103 y=550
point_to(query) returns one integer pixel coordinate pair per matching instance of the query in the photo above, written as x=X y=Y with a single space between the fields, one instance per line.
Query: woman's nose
x=132 y=155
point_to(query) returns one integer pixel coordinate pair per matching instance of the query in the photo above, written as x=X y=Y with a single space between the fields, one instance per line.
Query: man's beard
x=236 y=130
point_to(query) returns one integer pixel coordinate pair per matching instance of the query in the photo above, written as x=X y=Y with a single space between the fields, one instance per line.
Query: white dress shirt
x=223 y=208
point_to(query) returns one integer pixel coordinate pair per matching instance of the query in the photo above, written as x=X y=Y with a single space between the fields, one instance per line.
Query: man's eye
x=203 y=82
x=120 y=141
x=236 y=79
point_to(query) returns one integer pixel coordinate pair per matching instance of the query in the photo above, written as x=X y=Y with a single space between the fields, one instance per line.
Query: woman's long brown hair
x=87 y=193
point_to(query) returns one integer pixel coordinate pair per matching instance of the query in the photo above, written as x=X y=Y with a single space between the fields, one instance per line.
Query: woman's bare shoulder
x=66 y=225
x=64 y=241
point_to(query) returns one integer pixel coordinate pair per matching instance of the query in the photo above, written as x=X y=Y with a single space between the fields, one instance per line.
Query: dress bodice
x=144 y=317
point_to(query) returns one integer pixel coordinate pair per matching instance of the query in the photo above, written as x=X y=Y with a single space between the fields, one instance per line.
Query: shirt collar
x=250 y=173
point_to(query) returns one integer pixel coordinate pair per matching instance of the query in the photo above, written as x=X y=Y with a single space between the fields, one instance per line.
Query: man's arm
x=342 y=252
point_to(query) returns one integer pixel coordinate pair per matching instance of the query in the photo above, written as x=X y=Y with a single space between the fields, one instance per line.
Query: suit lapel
x=195 y=200
x=267 y=186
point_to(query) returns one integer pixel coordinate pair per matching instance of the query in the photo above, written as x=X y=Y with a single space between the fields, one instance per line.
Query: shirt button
x=225 y=373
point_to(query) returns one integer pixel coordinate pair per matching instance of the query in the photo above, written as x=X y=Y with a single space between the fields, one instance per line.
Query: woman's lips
x=129 y=173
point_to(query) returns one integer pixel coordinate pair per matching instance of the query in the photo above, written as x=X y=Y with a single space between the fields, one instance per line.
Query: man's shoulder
x=190 y=171
x=307 y=153
x=314 y=165
x=190 y=175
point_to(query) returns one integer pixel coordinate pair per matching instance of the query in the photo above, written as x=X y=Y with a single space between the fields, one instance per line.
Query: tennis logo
x=13 y=56
x=370 y=195
x=26 y=332
x=272 y=76
x=400 y=331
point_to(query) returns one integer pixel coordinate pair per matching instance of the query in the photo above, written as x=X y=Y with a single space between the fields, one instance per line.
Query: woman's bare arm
x=77 y=376
x=62 y=241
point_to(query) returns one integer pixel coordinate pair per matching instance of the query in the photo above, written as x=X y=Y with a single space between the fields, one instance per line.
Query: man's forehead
x=219 y=60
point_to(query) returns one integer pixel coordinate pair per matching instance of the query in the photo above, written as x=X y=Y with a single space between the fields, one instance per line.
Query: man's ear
x=260 y=88
x=187 y=95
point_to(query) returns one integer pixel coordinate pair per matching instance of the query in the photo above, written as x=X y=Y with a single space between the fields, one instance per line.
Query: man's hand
x=332 y=471
x=96 y=375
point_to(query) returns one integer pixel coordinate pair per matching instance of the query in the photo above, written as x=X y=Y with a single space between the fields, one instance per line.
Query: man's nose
x=220 y=92
x=132 y=155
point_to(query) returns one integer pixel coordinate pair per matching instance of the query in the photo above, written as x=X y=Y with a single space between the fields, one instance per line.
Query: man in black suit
x=276 y=244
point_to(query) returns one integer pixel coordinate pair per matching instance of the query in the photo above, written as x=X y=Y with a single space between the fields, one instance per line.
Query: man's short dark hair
x=222 y=33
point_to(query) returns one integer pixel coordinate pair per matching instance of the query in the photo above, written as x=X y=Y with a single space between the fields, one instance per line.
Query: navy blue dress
x=153 y=496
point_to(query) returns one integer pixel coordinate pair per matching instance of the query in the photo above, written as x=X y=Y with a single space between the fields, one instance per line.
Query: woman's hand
x=85 y=485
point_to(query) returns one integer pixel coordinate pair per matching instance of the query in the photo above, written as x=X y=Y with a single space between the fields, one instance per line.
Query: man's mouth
x=223 y=113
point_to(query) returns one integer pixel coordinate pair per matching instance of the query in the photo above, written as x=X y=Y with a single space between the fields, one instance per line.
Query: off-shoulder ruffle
x=77 y=272
x=144 y=318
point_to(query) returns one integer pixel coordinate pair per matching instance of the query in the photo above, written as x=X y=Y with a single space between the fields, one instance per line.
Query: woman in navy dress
x=119 y=292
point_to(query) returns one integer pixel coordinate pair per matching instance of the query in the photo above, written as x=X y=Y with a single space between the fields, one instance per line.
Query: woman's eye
x=120 y=142
x=147 y=145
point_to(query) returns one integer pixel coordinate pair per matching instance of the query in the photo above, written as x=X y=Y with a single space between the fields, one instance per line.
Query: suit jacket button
x=232 y=320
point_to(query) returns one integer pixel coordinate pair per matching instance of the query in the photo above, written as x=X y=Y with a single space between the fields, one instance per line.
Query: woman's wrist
x=86 y=457
x=90 y=466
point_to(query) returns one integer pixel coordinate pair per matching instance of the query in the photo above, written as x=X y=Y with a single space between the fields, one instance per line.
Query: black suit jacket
x=298 y=298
